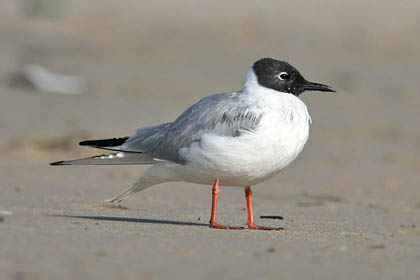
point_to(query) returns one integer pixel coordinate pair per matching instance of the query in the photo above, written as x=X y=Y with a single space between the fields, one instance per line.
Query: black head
x=281 y=76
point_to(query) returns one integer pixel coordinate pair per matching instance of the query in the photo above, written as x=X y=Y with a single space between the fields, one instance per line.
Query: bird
x=235 y=139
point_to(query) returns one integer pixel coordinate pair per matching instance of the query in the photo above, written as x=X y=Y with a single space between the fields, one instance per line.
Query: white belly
x=252 y=157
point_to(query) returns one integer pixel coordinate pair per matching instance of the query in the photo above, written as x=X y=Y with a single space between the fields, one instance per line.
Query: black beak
x=315 y=86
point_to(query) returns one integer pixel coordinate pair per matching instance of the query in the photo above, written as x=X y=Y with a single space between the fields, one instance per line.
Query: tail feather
x=156 y=174
x=111 y=159
x=137 y=186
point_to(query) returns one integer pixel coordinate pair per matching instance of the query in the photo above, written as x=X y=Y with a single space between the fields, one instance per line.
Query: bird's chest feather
x=256 y=155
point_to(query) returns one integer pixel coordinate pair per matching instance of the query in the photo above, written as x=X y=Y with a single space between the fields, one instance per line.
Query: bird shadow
x=133 y=220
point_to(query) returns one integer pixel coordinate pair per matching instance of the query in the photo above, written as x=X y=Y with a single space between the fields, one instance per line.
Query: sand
x=350 y=203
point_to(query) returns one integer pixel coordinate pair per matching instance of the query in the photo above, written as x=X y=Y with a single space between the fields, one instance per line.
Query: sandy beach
x=350 y=203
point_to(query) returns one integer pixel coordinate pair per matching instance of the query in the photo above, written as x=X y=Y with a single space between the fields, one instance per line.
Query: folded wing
x=219 y=114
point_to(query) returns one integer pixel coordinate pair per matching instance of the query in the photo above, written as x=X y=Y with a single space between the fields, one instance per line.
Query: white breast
x=252 y=157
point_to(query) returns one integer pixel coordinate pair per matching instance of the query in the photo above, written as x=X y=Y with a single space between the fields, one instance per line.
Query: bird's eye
x=284 y=76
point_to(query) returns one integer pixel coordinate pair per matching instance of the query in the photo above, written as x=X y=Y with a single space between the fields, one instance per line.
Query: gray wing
x=220 y=114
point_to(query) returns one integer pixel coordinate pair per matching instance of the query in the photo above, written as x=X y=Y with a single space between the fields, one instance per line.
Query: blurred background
x=71 y=70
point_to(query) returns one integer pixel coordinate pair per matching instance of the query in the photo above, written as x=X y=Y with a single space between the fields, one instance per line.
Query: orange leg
x=250 y=223
x=213 y=223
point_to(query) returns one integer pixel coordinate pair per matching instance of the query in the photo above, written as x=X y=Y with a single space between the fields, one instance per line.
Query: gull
x=229 y=139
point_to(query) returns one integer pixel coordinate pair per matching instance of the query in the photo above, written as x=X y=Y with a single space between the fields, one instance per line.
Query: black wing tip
x=114 y=142
x=84 y=143
x=58 y=163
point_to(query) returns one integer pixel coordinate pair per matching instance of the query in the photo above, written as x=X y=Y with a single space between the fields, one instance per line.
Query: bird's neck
x=265 y=97
x=252 y=88
x=250 y=81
